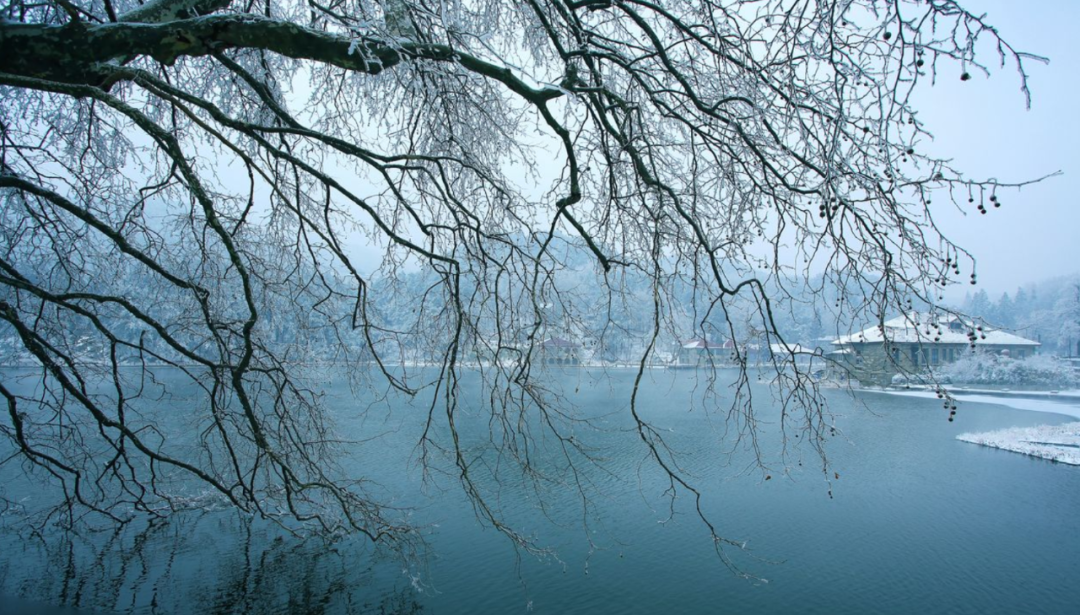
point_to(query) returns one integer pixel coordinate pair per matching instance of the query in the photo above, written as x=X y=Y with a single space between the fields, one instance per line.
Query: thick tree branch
x=73 y=52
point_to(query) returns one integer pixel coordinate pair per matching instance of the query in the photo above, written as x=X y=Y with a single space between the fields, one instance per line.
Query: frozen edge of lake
x=1066 y=402
x=1054 y=442
x=1059 y=443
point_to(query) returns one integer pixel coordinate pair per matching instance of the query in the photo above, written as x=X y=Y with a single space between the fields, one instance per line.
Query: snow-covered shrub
x=987 y=368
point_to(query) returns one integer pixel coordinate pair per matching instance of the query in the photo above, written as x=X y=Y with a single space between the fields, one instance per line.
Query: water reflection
x=217 y=562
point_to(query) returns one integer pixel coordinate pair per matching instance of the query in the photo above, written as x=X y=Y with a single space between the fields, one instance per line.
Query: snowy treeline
x=1047 y=311
x=605 y=318
x=987 y=368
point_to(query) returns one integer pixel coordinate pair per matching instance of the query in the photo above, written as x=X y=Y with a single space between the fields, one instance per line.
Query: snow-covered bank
x=1053 y=442
x=1065 y=402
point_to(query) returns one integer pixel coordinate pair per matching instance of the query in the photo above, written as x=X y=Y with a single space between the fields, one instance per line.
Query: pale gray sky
x=982 y=124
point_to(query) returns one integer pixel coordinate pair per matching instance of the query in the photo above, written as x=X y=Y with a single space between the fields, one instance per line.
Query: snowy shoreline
x=1059 y=443
x=1053 y=442
x=1065 y=402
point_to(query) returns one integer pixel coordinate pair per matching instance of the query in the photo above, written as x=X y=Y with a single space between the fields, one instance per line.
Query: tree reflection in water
x=210 y=562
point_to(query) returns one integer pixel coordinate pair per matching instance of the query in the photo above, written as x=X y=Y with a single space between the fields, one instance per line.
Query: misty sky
x=983 y=126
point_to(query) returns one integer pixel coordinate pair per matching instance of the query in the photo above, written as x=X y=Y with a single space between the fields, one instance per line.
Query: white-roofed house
x=700 y=351
x=918 y=341
x=559 y=351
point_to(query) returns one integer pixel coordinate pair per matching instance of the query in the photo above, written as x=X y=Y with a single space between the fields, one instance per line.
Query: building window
x=915 y=356
x=933 y=356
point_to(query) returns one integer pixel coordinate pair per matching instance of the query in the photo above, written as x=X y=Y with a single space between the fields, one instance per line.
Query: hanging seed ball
x=950 y=419
x=997 y=203
x=910 y=151
x=919 y=62
x=965 y=76
x=993 y=197
x=888 y=35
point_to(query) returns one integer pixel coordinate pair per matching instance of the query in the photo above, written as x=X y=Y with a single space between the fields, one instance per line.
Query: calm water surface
x=917 y=522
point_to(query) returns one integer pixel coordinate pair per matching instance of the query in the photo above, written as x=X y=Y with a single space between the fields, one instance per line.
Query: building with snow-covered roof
x=919 y=341
x=559 y=351
x=699 y=351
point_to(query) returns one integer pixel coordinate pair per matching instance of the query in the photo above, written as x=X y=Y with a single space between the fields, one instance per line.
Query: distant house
x=918 y=341
x=785 y=352
x=558 y=351
x=748 y=352
x=699 y=351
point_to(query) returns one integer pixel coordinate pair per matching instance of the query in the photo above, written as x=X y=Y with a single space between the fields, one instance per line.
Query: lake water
x=916 y=522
